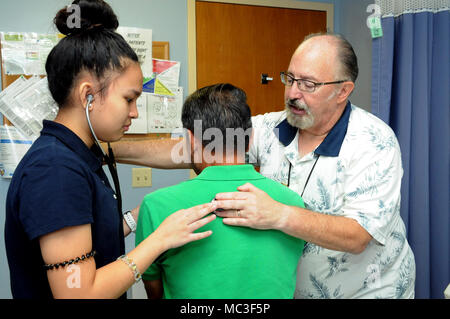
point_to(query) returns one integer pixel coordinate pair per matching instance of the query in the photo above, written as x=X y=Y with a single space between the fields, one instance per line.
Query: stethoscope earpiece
x=89 y=98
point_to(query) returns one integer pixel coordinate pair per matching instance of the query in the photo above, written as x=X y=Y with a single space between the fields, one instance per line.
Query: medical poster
x=165 y=78
x=164 y=112
x=26 y=103
x=141 y=42
x=26 y=52
x=13 y=146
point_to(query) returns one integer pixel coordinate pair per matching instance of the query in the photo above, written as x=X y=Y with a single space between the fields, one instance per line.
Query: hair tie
x=95 y=26
x=81 y=31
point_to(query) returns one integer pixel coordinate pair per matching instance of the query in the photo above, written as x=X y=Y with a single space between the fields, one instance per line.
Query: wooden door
x=237 y=43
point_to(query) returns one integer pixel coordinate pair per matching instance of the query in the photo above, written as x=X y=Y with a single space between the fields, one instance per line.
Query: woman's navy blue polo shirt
x=58 y=183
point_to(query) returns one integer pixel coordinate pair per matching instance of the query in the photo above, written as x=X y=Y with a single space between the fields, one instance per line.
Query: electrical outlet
x=141 y=177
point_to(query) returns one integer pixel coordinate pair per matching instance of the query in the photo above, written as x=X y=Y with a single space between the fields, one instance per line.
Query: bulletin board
x=160 y=50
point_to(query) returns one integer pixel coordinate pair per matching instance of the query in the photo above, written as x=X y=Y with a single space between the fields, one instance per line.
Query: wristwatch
x=130 y=220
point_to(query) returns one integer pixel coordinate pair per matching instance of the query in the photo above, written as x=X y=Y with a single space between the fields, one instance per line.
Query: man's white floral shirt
x=357 y=175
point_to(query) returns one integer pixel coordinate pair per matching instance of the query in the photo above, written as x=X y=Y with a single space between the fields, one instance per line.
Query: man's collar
x=332 y=143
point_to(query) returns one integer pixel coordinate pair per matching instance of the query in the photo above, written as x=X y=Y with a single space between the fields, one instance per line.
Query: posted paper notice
x=141 y=42
x=165 y=78
x=13 y=146
x=164 y=112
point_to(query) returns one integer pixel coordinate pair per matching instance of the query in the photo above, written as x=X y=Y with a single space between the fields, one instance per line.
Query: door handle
x=265 y=78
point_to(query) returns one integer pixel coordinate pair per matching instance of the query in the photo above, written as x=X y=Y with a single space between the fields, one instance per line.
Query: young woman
x=64 y=234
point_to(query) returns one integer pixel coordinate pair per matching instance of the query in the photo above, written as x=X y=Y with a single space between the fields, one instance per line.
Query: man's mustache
x=297 y=104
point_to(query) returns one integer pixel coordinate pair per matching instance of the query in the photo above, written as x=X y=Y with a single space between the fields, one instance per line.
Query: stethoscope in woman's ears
x=109 y=159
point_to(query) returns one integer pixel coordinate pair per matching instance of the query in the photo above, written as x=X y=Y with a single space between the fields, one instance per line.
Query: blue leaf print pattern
x=405 y=280
x=337 y=293
x=339 y=172
x=324 y=194
x=385 y=210
x=380 y=141
x=386 y=263
x=363 y=220
x=324 y=203
x=372 y=181
x=399 y=241
x=311 y=249
x=337 y=265
x=321 y=289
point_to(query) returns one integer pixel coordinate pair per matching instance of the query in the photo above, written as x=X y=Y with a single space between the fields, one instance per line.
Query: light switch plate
x=141 y=177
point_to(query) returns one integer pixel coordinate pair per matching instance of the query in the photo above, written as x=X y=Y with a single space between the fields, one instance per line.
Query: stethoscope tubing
x=109 y=159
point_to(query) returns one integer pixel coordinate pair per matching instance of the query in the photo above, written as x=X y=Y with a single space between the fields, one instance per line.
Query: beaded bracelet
x=70 y=262
x=130 y=263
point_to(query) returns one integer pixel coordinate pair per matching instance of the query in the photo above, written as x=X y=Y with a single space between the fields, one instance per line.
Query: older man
x=344 y=162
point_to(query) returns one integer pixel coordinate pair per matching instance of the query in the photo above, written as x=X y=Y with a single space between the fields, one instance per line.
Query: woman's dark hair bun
x=92 y=45
x=85 y=15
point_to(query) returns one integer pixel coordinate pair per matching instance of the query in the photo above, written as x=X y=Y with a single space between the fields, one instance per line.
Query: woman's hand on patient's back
x=178 y=229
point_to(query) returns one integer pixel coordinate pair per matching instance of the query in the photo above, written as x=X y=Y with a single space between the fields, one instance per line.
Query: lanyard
x=110 y=161
x=309 y=175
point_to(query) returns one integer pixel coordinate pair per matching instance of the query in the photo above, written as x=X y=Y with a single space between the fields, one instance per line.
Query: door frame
x=290 y=4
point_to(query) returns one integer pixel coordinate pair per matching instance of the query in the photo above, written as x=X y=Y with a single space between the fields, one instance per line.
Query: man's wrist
x=283 y=217
x=289 y=222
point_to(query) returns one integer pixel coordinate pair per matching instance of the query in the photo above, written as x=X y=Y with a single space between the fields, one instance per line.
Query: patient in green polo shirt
x=234 y=262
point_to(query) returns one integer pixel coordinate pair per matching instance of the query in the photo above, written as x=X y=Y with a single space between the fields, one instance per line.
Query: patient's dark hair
x=219 y=106
x=90 y=45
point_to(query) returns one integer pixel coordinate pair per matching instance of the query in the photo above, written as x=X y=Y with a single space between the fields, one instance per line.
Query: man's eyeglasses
x=304 y=85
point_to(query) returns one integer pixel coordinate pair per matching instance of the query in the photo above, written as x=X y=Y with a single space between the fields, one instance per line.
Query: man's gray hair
x=346 y=55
